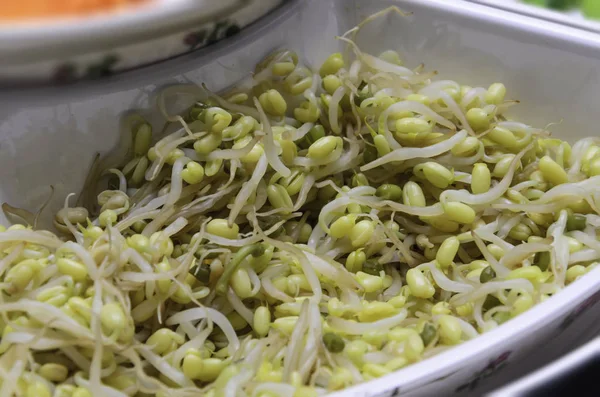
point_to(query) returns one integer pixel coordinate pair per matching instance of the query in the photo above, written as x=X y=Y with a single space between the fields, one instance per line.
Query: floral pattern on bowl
x=579 y=310
x=486 y=372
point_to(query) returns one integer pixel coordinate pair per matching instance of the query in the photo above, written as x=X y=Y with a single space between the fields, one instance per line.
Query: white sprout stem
x=412 y=153
x=217 y=317
x=354 y=328
x=333 y=109
x=269 y=142
x=248 y=188
x=494 y=193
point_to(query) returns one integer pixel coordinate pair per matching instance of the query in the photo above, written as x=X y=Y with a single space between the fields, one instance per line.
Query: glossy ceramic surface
x=49 y=137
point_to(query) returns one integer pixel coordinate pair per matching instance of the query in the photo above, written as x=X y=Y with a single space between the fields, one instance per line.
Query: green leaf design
x=103 y=68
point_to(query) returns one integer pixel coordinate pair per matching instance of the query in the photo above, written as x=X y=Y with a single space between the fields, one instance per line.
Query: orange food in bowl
x=27 y=9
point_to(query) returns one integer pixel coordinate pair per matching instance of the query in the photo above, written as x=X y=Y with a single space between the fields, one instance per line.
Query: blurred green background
x=589 y=8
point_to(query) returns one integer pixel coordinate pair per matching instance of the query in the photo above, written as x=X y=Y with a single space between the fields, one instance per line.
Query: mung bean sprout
x=316 y=230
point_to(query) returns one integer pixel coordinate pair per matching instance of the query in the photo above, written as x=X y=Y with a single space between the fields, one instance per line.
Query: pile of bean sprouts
x=311 y=231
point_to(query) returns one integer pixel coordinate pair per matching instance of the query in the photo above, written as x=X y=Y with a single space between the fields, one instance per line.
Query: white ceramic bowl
x=49 y=137
x=66 y=49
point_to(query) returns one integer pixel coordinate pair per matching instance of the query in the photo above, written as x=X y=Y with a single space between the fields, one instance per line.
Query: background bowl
x=49 y=136
x=60 y=50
